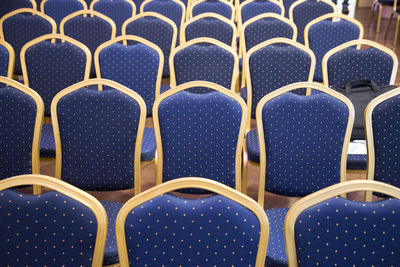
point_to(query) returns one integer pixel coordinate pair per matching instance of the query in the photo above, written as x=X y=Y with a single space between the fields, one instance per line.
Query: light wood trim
x=130 y=2
x=11 y=58
x=228 y=3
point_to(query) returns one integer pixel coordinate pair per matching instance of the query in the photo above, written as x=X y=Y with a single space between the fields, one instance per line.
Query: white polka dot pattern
x=111 y=250
x=59 y=9
x=4 y=60
x=209 y=27
x=212 y=6
x=8 y=6
x=276 y=254
x=255 y=8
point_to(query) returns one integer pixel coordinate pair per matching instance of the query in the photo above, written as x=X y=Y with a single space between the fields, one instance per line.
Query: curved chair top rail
x=216 y=87
x=182 y=5
x=226 y=2
x=115 y=86
x=85 y=7
x=73 y=192
x=202 y=183
x=299 y=2
x=130 y=2
x=240 y=20
x=210 y=41
x=11 y=57
x=260 y=129
x=358 y=43
x=53 y=37
x=209 y=15
x=124 y=38
x=325 y=194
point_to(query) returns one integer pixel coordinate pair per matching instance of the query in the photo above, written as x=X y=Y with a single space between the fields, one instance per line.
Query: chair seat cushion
x=253 y=148
x=164 y=88
x=111 y=250
x=356 y=162
x=386 y=2
x=148 y=145
x=243 y=93
x=47 y=144
x=276 y=253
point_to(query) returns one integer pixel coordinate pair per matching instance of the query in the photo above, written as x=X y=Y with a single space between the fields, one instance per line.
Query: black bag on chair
x=361 y=92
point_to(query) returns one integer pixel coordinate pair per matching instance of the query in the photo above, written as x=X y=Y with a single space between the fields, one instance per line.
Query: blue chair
x=204 y=59
x=59 y=9
x=326 y=32
x=98 y=133
x=220 y=7
x=199 y=135
x=303 y=11
x=155 y=28
x=7 y=59
x=90 y=28
x=137 y=66
x=48 y=68
x=117 y=10
x=184 y=231
x=63 y=226
x=303 y=147
x=287 y=4
x=9 y=6
x=23 y=25
x=326 y=229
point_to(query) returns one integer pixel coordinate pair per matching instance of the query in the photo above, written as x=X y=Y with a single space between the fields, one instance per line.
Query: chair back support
x=251 y=8
x=62 y=226
x=9 y=6
x=227 y=224
x=324 y=228
x=7 y=59
x=59 y=9
x=220 y=7
x=98 y=135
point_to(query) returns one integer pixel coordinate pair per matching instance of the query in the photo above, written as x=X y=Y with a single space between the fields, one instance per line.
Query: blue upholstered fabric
x=91 y=31
x=138 y=4
x=59 y=9
x=204 y=62
x=164 y=88
x=209 y=27
x=22 y=28
x=47 y=144
x=253 y=147
x=306 y=12
x=385 y=126
x=213 y=231
x=46 y=229
x=8 y=6
x=149 y=145
x=356 y=162
x=326 y=35
x=117 y=10
x=111 y=250
x=53 y=67
x=272 y=67
x=98 y=135
x=287 y=4
x=199 y=134
x=135 y=66
x=386 y=2
x=258 y=7
x=212 y=6
x=4 y=60
x=156 y=31
x=348 y=233
x=304 y=137
x=352 y=64
x=264 y=29
x=17 y=117
x=276 y=253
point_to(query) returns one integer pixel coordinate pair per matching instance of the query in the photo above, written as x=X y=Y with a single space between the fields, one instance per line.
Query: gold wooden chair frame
x=322 y=195
x=299 y=2
x=11 y=58
x=130 y=2
x=260 y=129
x=218 y=88
x=396 y=33
x=194 y=3
x=85 y=7
x=76 y=194
x=202 y=183
x=378 y=19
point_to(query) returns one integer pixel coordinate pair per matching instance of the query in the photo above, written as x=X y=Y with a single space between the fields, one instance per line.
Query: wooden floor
x=271 y=200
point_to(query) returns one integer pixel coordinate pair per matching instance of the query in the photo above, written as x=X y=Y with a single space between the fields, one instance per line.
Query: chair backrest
x=117 y=10
x=7 y=59
x=224 y=229
x=269 y=66
x=62 y=226
x=210 y=25
x=345 y=63
x=303 y=11
x=98 y=135
x=199 y=135
x=204 y=59
x=251 y=8
x=21 y=117
x=137 y=66
x=326 y=229
x=326 y=32
x=303 y=140
x=155 y=28
x=23 y=25
x=59 y=9
x=220 y=7
x=9 y=6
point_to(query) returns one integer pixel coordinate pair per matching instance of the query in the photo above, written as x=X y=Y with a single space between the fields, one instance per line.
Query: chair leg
x=388 y=27
x=372 y=14
x=396 y=32
x=378 y=26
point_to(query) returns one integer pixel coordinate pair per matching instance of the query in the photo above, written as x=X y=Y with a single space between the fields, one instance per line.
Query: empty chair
x=9 y=6
x=23 y=25
x=155 y=28
x=7 y=59
x=220 y=7
x=326 y=229
x=326 y=32
x=303 y=147
x=287 y=4
x=117 y=10
x=303 y=11
x=395 y=11
x=200 y=135
x=380 y=4
x=204 y=59
x=227 y=228
x=59 y=9
x=210 y=25
x=62 y=226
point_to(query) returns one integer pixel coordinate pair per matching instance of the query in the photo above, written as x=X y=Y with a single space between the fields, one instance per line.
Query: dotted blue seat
x=9 y=6
x=111 y=250
x=59 y=9
x=149 y=145
x=276 y=253
x=250 y=9
x=47 y=144
x=223 y=8
x=7 y=58
x=253 y=148
x=287 y=4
